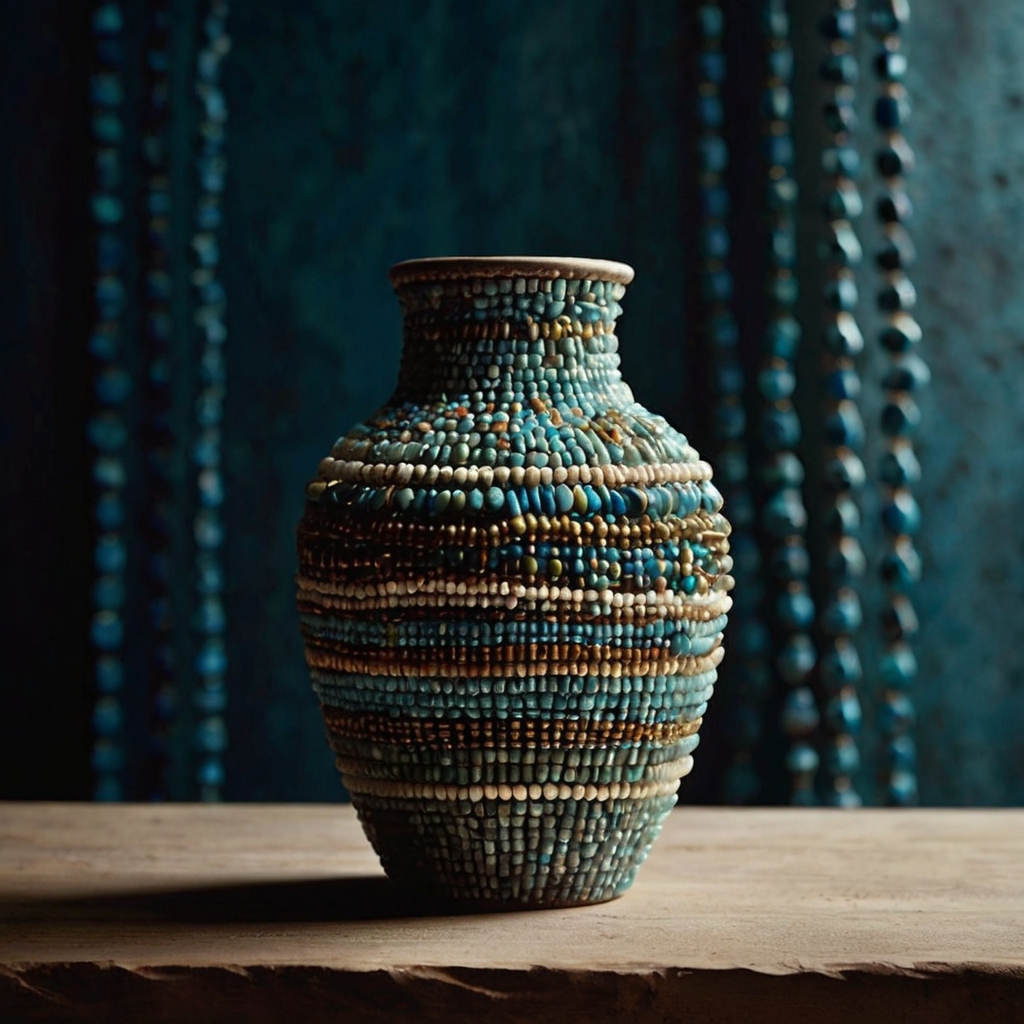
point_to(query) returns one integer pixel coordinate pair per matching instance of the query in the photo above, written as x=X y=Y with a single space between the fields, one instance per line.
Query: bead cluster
x=513 y=585
x=210 y=695
x=748 y=680
x=843 y=472
x=161 y=440
x=901 y=566
x=107 y=429
x=783 y=514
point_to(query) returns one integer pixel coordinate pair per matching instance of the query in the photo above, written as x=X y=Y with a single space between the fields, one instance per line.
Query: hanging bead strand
x=901 y=565
x=161 y=442
x=107 y=429
x=748 y=682
x=211 y=658
x=841 y=617
x=784 y=516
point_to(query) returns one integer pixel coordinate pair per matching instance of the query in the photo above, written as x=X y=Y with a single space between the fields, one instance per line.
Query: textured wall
x=968 y=90
x=361 y=134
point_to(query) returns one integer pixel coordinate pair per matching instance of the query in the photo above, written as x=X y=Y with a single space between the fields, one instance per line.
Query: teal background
x=361 y=134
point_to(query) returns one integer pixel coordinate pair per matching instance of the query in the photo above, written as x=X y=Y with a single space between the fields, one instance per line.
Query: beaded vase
x=513 y=585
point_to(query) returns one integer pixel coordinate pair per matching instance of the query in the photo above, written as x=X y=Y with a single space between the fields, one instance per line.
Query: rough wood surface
x=253 y=912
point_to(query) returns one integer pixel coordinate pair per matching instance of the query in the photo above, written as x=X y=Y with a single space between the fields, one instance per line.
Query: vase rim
x=442 y=268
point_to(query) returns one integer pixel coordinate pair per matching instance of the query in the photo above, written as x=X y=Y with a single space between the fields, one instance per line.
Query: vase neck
x=498 y=340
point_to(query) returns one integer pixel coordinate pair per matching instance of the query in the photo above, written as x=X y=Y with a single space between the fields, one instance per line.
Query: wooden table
x=281 y=913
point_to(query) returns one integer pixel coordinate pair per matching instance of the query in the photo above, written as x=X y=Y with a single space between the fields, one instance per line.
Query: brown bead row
x=505 y=661
x=445 y=734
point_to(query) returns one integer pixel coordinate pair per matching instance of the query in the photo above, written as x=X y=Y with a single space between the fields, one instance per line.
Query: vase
x=513 y=585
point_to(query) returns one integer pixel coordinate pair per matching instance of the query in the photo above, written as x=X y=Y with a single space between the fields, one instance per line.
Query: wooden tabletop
x=268 y=913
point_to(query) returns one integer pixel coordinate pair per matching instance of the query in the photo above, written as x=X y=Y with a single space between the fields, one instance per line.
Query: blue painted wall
x=361 y=134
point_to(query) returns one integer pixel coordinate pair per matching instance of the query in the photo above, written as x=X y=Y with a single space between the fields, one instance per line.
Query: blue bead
x=839 y=25
x=901 y=790
x=801 y=758
x=844 y=426
x=842 y=616
x=887 y=17
x=843 y=712
x=712 y=66
x=784 y=469
x=778 y=150
x=730 y=421
x=782 y=338
x=901 y=566
x=897 y=669
x=790 y=562
x=715 y=242
x=796 y=659
x=840 y=666
x=783 y=194
x=901 y=514
x=717 y=286
x=844 y=471
x=794 y=608
x=899 y=620
x=899 y=467
x=842 y=516
x=840 y=69
x=710 y=112
x=845 y=560
x=843 y=757
x=107 y=717
x=107 y=630
x=210 y=773
x=840 y=162
x=714 y=202
x=778 y=103
x=843 y=383
x=901 y=753
x=900 y=416
x=712 y=154
x=784 y=514
x=780 y=429
x=841 y=293
x=723 y=330
x=839 y=116
x=895 y=158
x=776 y=384
x=843 y=202
x=800 y=713
x=843 y=337
x=212 y=735
x=780 y=62
x=896 y=714
x=618 y=505
x=891 y=65
x=891 y=112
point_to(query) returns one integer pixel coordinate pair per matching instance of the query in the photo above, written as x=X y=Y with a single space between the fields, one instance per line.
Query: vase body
x=513 y=584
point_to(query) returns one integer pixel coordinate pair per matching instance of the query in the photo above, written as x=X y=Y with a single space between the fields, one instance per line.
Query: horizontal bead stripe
x=361 y=694
x=445 y=734
x=313 y=596
x=507 y=660
x=607 y=474
x=401 y=633
x=506 y=794
x=435 y=766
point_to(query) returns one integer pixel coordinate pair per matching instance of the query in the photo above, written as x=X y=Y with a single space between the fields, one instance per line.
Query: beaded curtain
x=779 y=327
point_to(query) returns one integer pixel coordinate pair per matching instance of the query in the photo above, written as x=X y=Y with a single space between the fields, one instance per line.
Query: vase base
x=496 y=855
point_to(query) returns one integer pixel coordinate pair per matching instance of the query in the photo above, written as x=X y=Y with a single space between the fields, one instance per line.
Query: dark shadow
x=348 y=898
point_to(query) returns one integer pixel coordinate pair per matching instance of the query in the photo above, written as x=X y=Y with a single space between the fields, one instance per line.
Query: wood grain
x=203 y=913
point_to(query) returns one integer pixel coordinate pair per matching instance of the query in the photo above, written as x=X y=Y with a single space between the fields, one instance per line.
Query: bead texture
x=513 y=584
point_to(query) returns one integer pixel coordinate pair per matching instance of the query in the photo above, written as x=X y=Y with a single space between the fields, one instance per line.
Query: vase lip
x=447 y=268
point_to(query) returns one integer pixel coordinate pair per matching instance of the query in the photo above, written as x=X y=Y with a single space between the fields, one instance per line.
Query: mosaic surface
x=513 y=585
